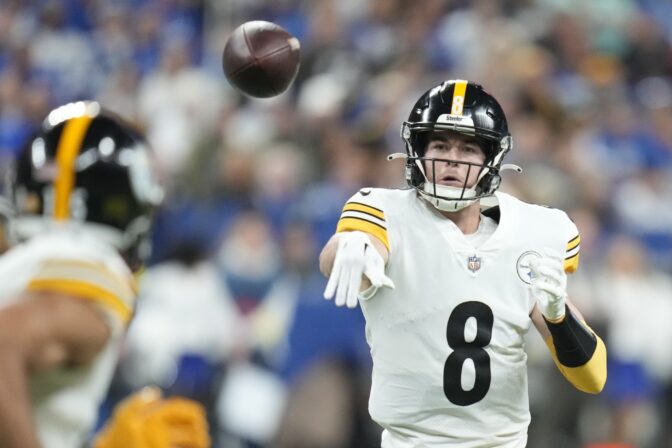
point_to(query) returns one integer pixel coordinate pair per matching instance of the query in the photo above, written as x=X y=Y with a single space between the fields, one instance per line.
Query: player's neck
x=467 y=219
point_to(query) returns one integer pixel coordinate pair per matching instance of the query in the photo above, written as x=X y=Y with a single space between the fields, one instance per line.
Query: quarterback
x=450 y=275
x=83 y=193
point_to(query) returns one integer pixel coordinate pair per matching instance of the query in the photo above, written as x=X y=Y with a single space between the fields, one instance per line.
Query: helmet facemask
x=451 y=198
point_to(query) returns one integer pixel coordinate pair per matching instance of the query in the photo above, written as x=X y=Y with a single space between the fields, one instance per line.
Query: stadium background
x=230 y=310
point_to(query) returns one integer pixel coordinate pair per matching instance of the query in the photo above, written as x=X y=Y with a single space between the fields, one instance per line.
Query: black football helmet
x=88 y=169
x=466 y=108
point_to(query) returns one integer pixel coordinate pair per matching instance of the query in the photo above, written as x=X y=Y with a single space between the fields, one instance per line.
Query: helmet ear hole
x=495 y=182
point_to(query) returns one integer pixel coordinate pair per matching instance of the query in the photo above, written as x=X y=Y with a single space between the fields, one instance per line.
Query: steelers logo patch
x=523 y=265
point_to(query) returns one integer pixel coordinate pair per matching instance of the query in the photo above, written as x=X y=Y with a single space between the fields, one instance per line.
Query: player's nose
x=452 y=155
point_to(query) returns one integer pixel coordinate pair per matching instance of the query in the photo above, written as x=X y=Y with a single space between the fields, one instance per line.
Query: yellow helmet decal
x=68 y=148
x=459 y=91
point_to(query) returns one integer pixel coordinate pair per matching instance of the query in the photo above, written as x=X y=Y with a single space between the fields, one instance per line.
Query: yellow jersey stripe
x=92 y=273
x=83 y=265
x=591 y=376
x=459 y=91
x=351 y=224
x=85 y=291
x=573 y=242
x=68 y=148
x=364 y=208
x=571 y=264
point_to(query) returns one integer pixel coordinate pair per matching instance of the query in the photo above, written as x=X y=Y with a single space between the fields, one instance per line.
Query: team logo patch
x=474 y=263
x=456 y=119
x=523 y=265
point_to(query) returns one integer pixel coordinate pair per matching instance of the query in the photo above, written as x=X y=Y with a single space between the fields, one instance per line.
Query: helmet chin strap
x=438 y=195
x=445 y=197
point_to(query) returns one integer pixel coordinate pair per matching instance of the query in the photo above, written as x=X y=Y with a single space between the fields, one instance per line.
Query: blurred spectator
x=179 y=104
x=634 y=296
x=64 y=54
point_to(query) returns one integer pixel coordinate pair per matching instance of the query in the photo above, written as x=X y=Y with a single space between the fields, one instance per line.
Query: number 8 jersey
x=449 y=366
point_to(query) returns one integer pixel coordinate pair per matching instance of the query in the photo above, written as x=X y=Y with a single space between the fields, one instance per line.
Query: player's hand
x=355 y=256
x=549 y=285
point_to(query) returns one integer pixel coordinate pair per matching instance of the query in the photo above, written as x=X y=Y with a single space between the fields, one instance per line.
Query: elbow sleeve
x=578 y=353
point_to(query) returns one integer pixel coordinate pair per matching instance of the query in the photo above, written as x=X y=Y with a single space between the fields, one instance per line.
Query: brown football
x=261 y=59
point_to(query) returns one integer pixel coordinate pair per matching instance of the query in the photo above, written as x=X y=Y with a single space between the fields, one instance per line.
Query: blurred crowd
x=231 y=310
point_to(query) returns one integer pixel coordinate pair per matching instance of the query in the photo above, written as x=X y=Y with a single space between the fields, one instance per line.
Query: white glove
x=355 y=256
x=549 y=285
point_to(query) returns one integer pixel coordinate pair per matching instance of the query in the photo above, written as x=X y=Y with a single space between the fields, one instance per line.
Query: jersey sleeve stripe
x=91 y=273
x=359 y=207
x=350 y=224
x=571 y=264
x=571 y=257
x=573 y=252
x=364 y=216
x=359 y=221
x=574 y=242
x=86 y=291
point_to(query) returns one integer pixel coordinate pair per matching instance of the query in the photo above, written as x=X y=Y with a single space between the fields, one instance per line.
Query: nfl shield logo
x=474 y=263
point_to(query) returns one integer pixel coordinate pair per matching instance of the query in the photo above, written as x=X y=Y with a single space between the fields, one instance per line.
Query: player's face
x=452 y=147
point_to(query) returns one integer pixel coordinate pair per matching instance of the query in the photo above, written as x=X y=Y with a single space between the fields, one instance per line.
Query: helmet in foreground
x=89 y=170
x=466 y=108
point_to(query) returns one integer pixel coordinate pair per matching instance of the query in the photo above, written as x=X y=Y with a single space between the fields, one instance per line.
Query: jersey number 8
x=463 y=350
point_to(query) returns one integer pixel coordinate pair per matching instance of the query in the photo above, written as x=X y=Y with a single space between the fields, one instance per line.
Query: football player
x=450 y=275
x=83 y=194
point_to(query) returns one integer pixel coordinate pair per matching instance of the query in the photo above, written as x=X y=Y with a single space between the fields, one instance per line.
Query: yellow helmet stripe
x=68 y=148
x=459 y=91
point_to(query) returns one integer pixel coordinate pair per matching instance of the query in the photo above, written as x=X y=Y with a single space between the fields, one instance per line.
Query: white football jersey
x=65 y=401
x=449 y=361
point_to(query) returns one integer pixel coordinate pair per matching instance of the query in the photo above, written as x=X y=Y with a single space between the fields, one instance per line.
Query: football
x=261 y=59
